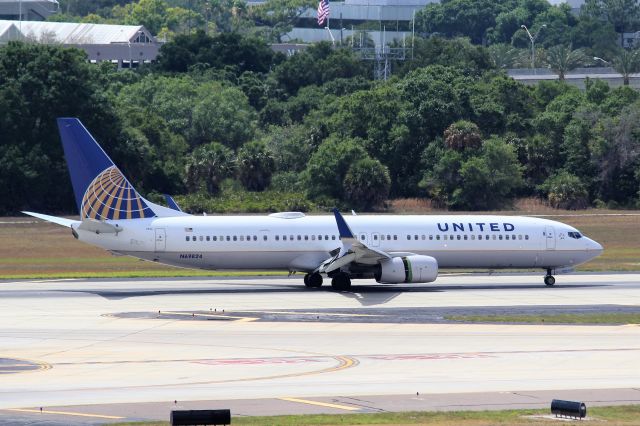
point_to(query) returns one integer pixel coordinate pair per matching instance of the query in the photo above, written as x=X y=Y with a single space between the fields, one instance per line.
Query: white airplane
x=391 y=249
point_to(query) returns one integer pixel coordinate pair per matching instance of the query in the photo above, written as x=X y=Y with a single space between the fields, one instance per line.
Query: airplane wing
x=352 y=251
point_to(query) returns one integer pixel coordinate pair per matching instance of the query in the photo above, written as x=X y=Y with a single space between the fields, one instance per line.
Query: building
x=27 y=10
x=128 y=45
x=381 y=21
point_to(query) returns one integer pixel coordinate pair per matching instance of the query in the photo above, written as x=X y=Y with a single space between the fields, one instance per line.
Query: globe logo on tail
x=111 y=196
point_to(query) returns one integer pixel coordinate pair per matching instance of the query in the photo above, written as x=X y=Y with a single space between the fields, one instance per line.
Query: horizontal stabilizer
x=54 y=219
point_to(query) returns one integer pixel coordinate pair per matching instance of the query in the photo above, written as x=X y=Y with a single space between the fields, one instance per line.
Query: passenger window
x=200 y=237
x=459 y=237
x=526 y=237
x=408 y=237
x=363 y=237
x=479 y=237
x=248 y=237
x=214 y=238
x=333 y=237
x=255 y=238
x=291 y=237
x=299 y=237
x=395 y=237
x=444 y=237
x=264 y=237
x=430 y=237
x=499 y=237
x=284 y=238
x=520 y=236
x=313 y=238
x=235 y=238
x=451 y=237
x=228 y=238
x=306 y=238
x=473 y=237
x=424 y=237
x=277 y=238
x=208 y=238
x=375 y=237
x=188 y=238
x=437 y=237
x=465 y=237
x=415 y=237
x=494 y=237
x=241 y=237
x=326 y=237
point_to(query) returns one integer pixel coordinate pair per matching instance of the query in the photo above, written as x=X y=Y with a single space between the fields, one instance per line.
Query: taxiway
x=107 y=350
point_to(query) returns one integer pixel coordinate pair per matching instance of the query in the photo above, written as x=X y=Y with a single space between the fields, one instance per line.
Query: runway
x=113 y=350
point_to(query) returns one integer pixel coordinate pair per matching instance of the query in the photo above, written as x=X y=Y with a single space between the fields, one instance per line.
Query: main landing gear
x=549 y=280
x=313 y=280
x=341 y=281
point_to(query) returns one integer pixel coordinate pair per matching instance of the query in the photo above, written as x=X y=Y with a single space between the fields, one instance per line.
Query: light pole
x=595 y=58
x=533 y=39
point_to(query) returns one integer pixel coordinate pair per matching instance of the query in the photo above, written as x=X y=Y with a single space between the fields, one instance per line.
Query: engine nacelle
x=407 y=269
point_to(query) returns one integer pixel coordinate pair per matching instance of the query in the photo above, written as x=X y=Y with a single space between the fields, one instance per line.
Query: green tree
x=255 y=166
x=328 y=166
x=227 y=50
x=39 y=83
x=562 y=59
x=622 y=14
x=460 y=18
x=367 y=184
x=316 y=65
x=207 y=166
x=626 y=62
x=505 y=56
x=565 y=191
x=276 y=17
x=223 y=114
x=463 y=135
x=475 y=182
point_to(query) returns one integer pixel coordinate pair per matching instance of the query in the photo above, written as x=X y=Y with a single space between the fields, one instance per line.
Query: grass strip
x=587 y=318
x=613 y=416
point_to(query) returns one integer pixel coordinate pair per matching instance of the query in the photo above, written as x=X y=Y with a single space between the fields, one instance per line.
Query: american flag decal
x=323 y=11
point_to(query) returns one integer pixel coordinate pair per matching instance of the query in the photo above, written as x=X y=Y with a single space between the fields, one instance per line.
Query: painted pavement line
x=63 y=413
x=321 y=404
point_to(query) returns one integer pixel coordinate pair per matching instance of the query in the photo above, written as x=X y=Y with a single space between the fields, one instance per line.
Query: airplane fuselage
x=300 y=243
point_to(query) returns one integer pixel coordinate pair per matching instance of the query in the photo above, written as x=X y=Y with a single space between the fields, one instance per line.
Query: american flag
x=323 y=11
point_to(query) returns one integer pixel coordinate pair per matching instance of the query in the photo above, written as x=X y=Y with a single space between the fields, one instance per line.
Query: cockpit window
x=575 y=235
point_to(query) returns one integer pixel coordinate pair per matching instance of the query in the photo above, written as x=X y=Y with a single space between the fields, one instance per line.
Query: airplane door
x=161 y=237
x=375 y=239
x=550 y=236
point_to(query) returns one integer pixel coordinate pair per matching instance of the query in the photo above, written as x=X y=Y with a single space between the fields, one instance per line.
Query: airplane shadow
x=366 y=295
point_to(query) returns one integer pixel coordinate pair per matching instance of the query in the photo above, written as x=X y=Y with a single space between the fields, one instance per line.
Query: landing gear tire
x=313 y=280
x=549 y=280
x=341 y=282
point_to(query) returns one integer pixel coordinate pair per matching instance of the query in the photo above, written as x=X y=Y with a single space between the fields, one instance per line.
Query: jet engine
x=407 y=269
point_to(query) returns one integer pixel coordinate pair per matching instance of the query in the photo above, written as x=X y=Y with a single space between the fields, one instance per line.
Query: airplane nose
x=595 y=246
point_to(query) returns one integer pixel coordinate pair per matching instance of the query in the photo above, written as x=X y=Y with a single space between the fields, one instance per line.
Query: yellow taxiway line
x=321 y=404
x=63 y=413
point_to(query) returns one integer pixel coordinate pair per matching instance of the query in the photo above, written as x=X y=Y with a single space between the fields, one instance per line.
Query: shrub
x=565 y=191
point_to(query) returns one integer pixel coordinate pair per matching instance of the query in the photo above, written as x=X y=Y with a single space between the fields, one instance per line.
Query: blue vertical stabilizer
x=101 y=190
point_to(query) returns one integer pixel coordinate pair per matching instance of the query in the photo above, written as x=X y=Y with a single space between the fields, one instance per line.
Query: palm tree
x=255 y=166
x=562 y=59
x=505 y=56
x=207 y=166
x=626 y=62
